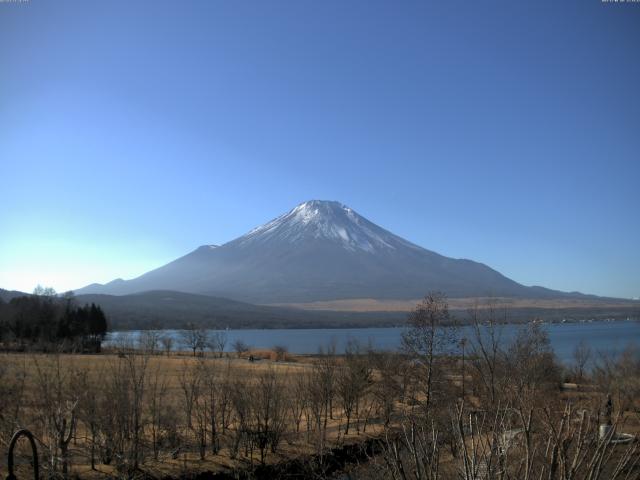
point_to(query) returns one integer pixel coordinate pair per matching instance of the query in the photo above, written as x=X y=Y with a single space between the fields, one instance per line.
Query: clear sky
x=507 y=132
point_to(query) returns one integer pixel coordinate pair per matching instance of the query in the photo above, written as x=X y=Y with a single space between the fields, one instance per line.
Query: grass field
x=374 y=305
x=173 y=370
x=176 y=415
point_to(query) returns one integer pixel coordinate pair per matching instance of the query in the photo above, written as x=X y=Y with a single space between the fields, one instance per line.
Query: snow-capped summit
x=320 y=250
x=317 y=220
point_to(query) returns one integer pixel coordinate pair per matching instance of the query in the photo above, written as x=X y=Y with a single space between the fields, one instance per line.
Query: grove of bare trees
x=502 y=410
x=505 y=409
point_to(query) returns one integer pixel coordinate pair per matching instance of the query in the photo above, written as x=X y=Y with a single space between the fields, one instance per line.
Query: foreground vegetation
x=45 y=321
x=495 y=409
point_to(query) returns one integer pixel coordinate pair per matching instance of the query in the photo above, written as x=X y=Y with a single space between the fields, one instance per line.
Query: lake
x=601 y=336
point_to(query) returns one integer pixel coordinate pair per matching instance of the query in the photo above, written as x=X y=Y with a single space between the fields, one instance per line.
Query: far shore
x=483 y=303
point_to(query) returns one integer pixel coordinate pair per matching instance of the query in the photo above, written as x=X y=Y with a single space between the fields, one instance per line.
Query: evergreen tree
x=44 y=317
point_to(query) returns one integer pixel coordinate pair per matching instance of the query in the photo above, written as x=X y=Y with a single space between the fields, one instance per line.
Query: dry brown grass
x=294 y=444
x=373 y=305
x=172 y=367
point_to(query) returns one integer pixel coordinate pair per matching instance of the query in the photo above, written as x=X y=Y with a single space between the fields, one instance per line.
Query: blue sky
x=132 y=132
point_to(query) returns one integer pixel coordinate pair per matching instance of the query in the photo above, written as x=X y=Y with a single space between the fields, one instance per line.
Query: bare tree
x=280 y=352
x=531 y=368
x=122 y=408
x=487 y=354
x=13 y=378
x=326 y=371
x=413 y=453
x=41 y=291
x=321 y=384
x=216 y=400
x=156 y=406
x=195 y=338
x=354 y=377
x=57 y=409
x=167 y=344
x=581 y=357
x=387 y=390
x=514 y=422
x=573 y=449
x=299 y=394
x=201 y=409
x=136 y=376
x=219 y=342
x=616 y=374
x=240 y=399
x=88 y=384
x=124 y=344
x=148 y=341
x=224 y=406
x=269 y=412
x=240 y=347
x=190 y=382
x=428 y=335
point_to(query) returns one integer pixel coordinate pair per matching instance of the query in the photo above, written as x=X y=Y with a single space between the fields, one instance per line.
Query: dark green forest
x=45 y=321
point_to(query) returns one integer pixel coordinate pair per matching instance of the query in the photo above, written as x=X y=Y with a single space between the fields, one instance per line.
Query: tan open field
x=172 y=369
x=185 y=460
x=373 y=305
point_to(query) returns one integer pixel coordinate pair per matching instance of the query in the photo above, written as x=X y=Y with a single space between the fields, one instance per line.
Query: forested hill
x=45 y=321
x=169 y=309
x=7 y=295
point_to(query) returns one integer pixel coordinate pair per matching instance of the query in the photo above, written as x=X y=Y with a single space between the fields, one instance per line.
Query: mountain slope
x=321 y=251
x=7 y=295
x=166 y=309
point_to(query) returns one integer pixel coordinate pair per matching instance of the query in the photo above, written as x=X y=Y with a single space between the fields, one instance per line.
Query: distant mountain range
x=7 y=295
x=169 y=309
x=160 y=309
x=320 y=251
x=322 y=265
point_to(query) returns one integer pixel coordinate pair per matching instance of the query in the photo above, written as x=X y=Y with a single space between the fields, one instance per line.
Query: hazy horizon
x=502 y=132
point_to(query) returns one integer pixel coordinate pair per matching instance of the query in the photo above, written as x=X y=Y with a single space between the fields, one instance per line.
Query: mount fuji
x=320 y=251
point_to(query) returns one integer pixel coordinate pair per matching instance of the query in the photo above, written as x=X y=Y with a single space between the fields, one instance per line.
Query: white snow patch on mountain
x=316 y=219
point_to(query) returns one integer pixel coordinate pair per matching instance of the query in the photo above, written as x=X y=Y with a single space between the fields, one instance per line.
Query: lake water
x=601 y=336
